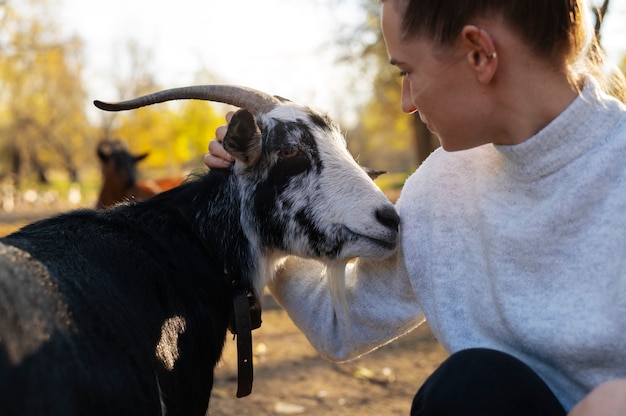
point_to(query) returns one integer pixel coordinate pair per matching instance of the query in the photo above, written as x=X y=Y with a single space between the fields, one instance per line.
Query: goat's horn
x=255 y=101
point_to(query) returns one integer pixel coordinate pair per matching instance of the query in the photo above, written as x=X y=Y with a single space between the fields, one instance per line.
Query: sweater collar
x=573 y=133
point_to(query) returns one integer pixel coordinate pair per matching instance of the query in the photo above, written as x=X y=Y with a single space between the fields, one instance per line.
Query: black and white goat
x=125 y=311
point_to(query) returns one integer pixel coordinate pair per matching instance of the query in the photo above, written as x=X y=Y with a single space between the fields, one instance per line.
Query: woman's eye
x=403 y=74
x=288 y=152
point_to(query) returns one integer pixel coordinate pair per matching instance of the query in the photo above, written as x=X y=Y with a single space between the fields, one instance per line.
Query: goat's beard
x=336 y=274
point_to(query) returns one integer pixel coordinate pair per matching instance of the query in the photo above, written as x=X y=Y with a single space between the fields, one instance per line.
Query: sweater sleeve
x=381 y=304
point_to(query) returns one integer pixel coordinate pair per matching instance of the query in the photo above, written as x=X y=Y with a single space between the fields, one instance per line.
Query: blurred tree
x=175 y=133
x=613 y=77
x=599 y=11
x=132 y=77
x=195 y=125
x=42 y=120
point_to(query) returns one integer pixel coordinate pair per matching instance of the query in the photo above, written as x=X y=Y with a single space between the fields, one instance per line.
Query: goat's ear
x=140 y=157
x=373 y=174
x=243 y=138
x=103 y=155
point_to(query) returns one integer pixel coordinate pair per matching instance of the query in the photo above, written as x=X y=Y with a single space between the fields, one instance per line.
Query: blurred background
x=57 y=56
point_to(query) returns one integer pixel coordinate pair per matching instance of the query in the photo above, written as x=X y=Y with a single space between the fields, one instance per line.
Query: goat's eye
x=289 y=152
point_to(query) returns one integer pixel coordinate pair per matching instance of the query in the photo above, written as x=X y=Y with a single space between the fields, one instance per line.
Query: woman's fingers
x=217 y=156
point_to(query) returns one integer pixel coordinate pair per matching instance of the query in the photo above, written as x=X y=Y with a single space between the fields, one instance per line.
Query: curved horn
x=252 y=100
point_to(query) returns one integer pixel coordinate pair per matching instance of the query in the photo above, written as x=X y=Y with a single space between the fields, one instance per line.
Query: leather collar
x=246 y=317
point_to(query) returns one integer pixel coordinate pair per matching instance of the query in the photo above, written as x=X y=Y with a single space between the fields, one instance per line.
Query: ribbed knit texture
x=517 y=248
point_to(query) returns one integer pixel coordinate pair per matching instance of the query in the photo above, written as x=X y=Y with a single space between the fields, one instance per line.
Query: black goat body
x=113 y=279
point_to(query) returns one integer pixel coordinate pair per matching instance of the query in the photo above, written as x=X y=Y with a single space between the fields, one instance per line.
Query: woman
x=513 y=234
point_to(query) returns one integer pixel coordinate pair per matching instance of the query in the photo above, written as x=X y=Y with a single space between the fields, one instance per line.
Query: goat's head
x=118 y=164
x=301 y=191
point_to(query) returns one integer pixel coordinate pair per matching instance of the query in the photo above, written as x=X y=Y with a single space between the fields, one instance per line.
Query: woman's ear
x=482 y=56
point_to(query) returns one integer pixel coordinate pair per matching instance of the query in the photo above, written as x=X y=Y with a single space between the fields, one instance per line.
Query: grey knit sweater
x=517 y=248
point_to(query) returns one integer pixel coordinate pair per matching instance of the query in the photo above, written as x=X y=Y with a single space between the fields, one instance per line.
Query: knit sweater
x=517 y=248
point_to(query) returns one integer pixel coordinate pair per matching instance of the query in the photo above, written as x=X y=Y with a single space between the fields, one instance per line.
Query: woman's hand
x=608 y=399
x=217 y=157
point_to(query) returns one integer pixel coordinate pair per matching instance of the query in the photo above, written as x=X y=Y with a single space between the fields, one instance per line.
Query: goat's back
x=49 y=362
x=85 y=302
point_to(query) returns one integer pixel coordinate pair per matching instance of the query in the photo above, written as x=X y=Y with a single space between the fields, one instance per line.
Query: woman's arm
x=381 y=304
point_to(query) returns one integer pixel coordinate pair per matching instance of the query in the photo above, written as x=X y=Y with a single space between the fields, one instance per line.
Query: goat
x=119 y=175
x=125 y=311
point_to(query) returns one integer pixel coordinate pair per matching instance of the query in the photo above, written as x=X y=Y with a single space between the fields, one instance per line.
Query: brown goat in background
x=119 y=176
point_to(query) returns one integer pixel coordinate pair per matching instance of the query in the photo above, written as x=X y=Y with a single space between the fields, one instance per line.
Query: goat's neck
x=215 y=216
x=110 y=193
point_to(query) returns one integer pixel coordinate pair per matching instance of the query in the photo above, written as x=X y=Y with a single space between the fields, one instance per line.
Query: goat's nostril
x=388 y=217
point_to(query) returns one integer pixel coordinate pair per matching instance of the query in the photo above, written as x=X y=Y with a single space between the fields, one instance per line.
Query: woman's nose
x=406 y=98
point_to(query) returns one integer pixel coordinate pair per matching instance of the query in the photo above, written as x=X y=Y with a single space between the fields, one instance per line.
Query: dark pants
x=483 y=382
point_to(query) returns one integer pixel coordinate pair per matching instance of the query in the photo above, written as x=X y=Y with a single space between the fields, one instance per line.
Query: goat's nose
x=388 y=217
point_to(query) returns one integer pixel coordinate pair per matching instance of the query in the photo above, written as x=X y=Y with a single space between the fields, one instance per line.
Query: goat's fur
x=125 y=311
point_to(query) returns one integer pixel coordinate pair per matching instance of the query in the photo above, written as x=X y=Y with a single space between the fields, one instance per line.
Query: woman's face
x=438 y=83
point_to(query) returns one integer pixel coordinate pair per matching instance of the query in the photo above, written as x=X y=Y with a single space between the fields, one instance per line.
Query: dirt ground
x=290 y=378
